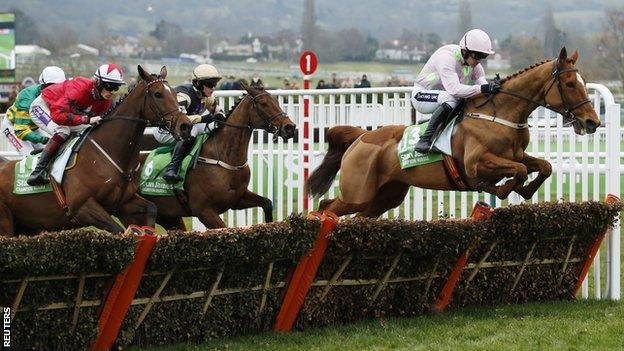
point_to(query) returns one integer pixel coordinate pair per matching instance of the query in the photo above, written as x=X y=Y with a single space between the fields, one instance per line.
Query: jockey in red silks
x=70 y=107
x=452 y=73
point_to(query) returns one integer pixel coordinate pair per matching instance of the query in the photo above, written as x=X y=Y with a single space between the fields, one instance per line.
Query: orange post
x=305 y=273
x=122 y=292
x=480 y=212
x=611 y=199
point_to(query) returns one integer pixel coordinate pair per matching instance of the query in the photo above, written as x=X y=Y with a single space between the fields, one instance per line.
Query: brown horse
x=219 y=181
x=100 y=182
x=485 y=152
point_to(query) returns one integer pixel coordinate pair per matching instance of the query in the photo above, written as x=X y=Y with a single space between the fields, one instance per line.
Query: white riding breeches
x=40 y=114
x=426 y=101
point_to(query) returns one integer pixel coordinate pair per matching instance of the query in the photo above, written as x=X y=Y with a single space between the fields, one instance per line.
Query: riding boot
x=180 y=150
x=438 y=117
x=39 y=175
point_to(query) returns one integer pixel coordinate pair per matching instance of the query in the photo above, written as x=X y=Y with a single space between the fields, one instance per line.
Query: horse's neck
x=531 y=85
x=231 y=144
x=121 y=138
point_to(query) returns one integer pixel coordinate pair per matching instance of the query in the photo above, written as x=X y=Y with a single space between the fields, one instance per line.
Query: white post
x=612 y=118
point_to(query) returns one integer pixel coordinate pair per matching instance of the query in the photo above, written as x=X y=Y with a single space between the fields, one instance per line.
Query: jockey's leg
x=39 y=175
x=250 y=199
x=181 y=149
x=438 y=117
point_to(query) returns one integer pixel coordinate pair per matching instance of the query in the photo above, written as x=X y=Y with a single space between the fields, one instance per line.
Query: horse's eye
x=158 y=94
x=570 y=84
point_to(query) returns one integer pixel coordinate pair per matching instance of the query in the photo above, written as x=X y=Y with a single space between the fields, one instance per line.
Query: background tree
x=524 y=50
x=465 y=18
x=611 y=44
x=308 y=26
x=554 y=38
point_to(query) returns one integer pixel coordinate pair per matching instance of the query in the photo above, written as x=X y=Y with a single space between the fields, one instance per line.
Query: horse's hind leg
x=341 y=208
x=390 y=195
x=6 y=221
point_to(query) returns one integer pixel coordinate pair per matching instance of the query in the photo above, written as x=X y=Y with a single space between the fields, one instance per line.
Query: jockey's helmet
x=52 y=74
x=205 y=74
x=476 y=40
x=109 y=75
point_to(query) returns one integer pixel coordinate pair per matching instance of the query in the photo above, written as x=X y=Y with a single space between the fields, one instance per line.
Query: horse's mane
x=513 y=75
x=233 y=107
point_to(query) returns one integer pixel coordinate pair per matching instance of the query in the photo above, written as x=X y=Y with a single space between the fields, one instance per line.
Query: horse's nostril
x=591 y=126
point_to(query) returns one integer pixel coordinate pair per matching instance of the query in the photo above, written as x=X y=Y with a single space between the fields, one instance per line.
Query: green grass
x=576 y=325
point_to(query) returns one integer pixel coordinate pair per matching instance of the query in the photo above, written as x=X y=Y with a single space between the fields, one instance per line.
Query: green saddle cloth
x=152 y=181
x=408 y=156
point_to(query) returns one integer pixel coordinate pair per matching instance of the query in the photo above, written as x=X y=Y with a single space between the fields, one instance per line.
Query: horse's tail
x=339 y=139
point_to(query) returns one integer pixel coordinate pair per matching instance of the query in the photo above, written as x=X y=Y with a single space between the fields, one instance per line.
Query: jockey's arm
x=452 y=85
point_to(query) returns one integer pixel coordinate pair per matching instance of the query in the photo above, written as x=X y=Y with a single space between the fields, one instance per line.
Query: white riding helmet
x=476 y=40
x=52 y=74
x=205 y=72
x=109 y=73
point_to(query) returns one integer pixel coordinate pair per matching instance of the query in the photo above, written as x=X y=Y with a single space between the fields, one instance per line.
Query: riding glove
x=492 y=87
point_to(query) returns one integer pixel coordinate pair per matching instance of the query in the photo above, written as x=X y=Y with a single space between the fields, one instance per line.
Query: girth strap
x=453 y=173
x=59 y=195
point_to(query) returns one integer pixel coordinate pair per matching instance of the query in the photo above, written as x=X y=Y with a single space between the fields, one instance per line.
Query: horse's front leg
x=250 y=199
x=534 y=164
x=92 y=213
x=210 y=218
x=490 y=168
x=138 y=211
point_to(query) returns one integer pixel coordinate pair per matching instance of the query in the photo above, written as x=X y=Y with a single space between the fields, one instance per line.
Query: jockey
x=69 y=107
x=197 y=102
x=453 y=72
x=18 y=116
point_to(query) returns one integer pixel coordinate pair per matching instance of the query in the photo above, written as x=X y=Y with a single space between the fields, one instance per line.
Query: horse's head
x=570 y=97
x=160 y=104
x=268 y=115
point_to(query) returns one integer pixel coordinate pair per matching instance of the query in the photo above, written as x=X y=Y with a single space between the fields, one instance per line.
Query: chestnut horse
x=220 y=179
x=100 y=183
x=486 y=150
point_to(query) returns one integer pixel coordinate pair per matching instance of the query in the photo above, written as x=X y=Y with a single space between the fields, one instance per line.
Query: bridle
x=268 y=119
x=269 y=127
x=567 y=113
x=162 y=123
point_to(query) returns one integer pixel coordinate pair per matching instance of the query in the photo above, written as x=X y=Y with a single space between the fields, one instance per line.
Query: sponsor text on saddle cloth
x=408 y=157
x=152 y=182
x=24 y=167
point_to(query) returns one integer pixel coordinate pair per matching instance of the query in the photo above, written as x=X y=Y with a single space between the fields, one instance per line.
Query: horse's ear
x=246 y=87
x=163 y=72
x=563 y=54
x=574 y=56
x=143 y=74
